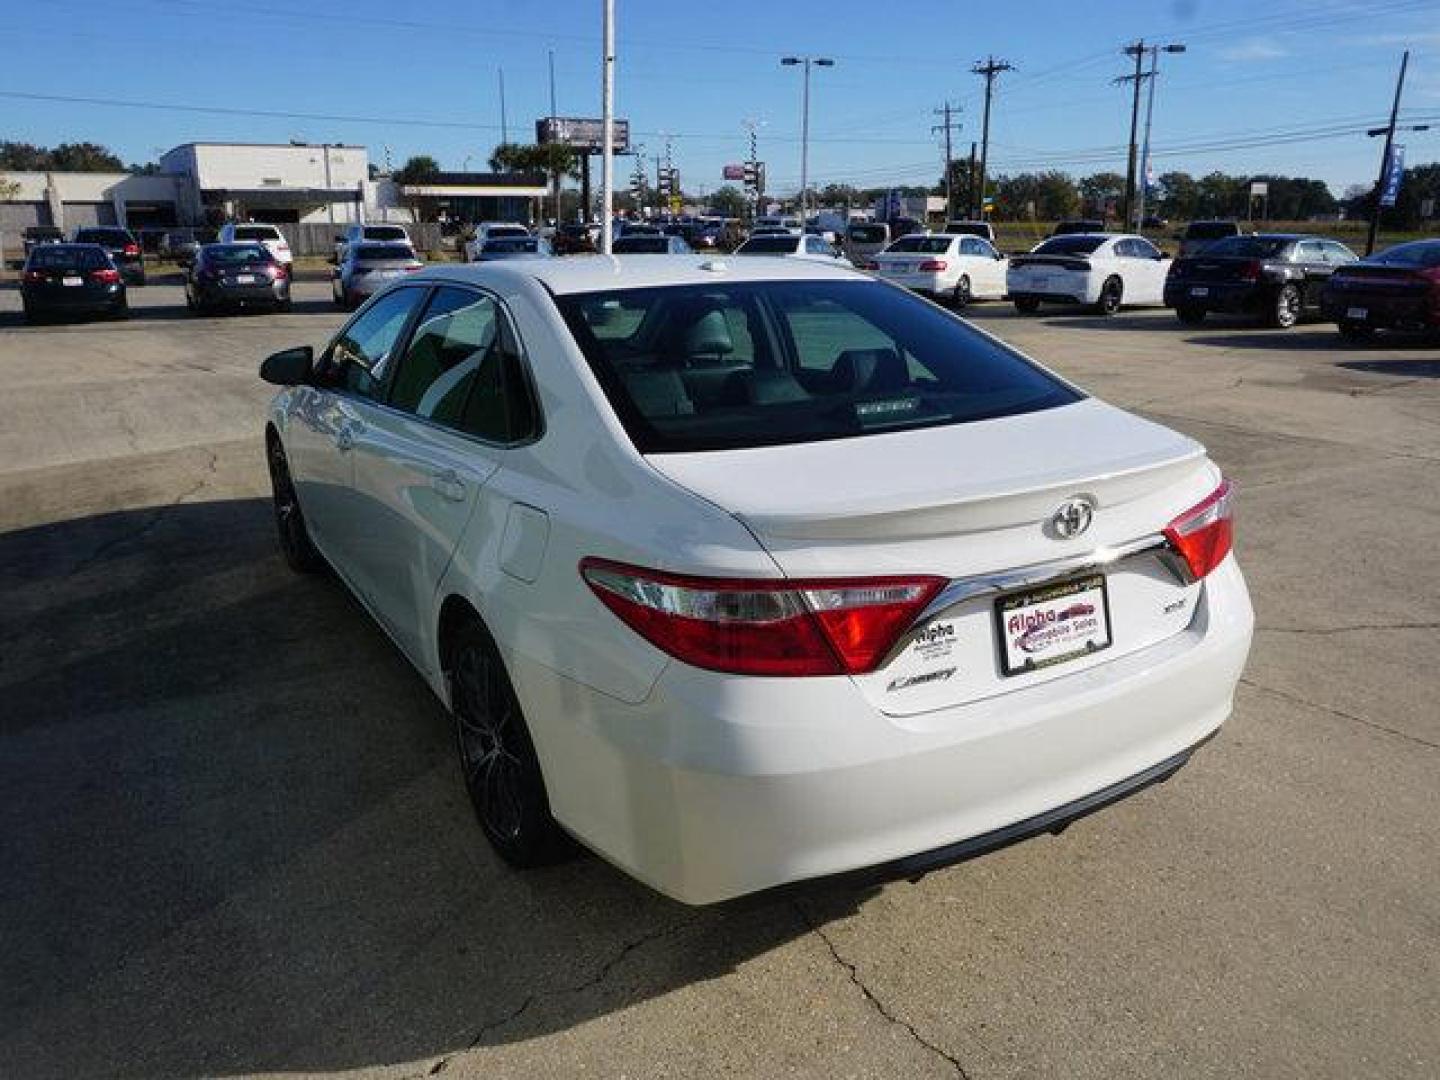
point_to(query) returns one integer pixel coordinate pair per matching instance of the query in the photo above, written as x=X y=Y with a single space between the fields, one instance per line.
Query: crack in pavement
x=1296 y=700
x=875 y=1003
x=601 y=974
x=145 y=527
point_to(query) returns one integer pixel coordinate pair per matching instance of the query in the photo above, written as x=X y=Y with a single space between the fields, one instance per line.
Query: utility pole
x=607 y=118
x=1385 y=158
x=989 y=68
x=1138 y=51
x=946 y=111
x=554 y=172
x=1151 y=75
x=504 y=126
x=818 y=61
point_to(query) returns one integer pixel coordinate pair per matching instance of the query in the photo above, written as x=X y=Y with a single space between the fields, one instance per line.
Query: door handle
x=448 y=483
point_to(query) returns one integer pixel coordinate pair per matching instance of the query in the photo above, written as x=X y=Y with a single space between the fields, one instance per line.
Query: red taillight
x=105 y=277
x=763 y=627
x=869 y=264
x=412 y=268
x=279 y=271
x=933 y=266
x=1204 y=533
x=1251 y=271
x=34 y=277
x=131 y=249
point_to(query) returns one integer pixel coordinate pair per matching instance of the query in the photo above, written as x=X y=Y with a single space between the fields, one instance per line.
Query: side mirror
x=289 y=367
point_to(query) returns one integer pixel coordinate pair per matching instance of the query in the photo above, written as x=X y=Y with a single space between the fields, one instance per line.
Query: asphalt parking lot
x=234 y=840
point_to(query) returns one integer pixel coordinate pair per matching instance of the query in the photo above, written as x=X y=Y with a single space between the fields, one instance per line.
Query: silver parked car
x=514 y=247
x=368 y=268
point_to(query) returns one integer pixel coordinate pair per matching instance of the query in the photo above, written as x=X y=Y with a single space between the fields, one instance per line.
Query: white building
x=70 y=201
x=277 y=182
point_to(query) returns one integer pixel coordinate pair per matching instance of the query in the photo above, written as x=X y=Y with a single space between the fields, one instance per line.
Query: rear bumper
x=1222 y=296
x=1055 y=290
x=76 y=301
x=716 y=786
x=274 y=292
x=1385 y=312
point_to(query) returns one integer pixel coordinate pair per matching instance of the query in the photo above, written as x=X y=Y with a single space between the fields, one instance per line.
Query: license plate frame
x=1086 y=591
x=1358 y=313
x=1199 y=290
x=244 y=279
x=71 y=281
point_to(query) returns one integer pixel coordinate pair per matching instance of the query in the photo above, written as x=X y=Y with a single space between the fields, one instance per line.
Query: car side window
x=1338 y=253
x=359 y=358
x=815 y=246
x=463 y=369
x=1143 y=249
x=1308 y=251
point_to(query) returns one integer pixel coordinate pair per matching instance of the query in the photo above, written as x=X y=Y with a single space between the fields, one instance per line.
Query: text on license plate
x=1356 y=313
x=1052 y=624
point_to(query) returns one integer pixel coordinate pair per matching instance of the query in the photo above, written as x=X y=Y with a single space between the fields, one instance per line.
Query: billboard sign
x=584 y=135
x=733 y=172
x=1394 y=173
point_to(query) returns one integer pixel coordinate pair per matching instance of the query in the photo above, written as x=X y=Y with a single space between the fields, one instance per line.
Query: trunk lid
x=1202 y=268
x=963 y=501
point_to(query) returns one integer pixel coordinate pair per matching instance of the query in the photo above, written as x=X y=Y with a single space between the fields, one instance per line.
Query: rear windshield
x=56 y=257
x=925 y=245
x=256 y=232
x=114 y=237
x=1211 y=230
x=511 y=245
x=1079 y=227
x=506 y=230
x=1252 y=247
x=779 y=244
x=868 y=234
x=384 y=232
x=642 y=245
x=714 y=367
x=233 y=254
x=1069 y=245
x=1425 y=253
x=382 y=252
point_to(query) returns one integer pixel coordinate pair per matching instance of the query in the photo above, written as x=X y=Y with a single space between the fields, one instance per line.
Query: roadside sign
x=583 y=134
x=733 y=172
x=1394 y=173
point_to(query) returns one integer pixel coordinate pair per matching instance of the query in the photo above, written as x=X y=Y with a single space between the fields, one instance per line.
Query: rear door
x=1314 y=264
x=328 y=417
x=1143 y=270
x=426 y=453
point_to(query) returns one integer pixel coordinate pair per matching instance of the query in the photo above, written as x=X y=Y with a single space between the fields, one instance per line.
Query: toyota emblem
x=1072 y=518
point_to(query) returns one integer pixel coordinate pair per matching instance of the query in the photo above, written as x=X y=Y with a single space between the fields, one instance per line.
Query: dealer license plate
x=1053 y=624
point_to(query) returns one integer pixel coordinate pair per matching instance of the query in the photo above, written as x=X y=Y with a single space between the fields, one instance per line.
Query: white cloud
x=1253 y=50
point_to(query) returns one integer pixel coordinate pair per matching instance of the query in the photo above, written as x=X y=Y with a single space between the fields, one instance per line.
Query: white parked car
x=753 y=571
x=1105 y=270
x=273 y=240
x=360 y=233
x=487 y=231
x=805 y=246
x=771 y=222
x=947 y=267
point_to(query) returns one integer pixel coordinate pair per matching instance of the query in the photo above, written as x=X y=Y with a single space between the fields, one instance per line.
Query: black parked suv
x=124 y=249
x=1278 y=276
x=71 y=279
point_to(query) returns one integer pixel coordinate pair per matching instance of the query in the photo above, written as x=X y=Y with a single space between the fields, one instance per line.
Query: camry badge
x=1072 y=518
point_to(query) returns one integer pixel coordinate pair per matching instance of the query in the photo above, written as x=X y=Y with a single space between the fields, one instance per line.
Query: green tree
x=417 y=170
x=1221 y=196
x=552 y=159
x=84 y=157
x=1178 y=195
x=1056 y=196
x=1101 y=191
x=729 y=201
x=838 y=195
x=23 y=157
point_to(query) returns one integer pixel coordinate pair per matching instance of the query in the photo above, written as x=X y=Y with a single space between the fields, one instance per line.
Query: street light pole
x=607 y=115
x=1149 y=115
x=818 y=61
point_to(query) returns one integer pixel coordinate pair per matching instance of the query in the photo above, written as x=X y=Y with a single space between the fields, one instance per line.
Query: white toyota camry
x=748 y=571
x=1106 y=270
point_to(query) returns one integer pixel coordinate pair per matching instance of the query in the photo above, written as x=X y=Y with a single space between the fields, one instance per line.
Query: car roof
x=597 y=273
x=73 y=247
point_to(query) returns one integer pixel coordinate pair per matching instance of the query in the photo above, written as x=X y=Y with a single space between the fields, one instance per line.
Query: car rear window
x=1211 y=230
x=1252 y=247
x=383 y=252
x=780 y=244
x=497 y=231
x=1069 y=245
x=713 y=367
x=868 y=234
x=235 y=254
x=114 y=237
x=510 y=245
x=256 y=232
x=1425 y=253
x=56 y=257
x=642 y=245
x=384 y=232
x=926 y=245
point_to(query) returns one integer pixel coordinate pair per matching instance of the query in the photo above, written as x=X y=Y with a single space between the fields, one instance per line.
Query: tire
x=1284 y=309
x=962 y=295
x=1027 y=305
x=120 y=311
x=1354 y=332
x=498 y=763
x=1112 y=293
x=295 y=544
x=1190 y=316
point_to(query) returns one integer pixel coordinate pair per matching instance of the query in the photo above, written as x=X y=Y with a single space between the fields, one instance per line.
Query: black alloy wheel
x=1111 y=294
x=295 y=543
x=1027 y=305
x=963 y=295
x=497 y=757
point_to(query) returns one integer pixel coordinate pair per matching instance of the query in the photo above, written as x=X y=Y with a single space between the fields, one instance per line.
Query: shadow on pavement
x=1317 y=337
x=141 y=313
x=234 y=838
x=1408 y=369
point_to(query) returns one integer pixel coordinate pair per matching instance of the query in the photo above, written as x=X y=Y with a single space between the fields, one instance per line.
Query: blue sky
x=1267 y=77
